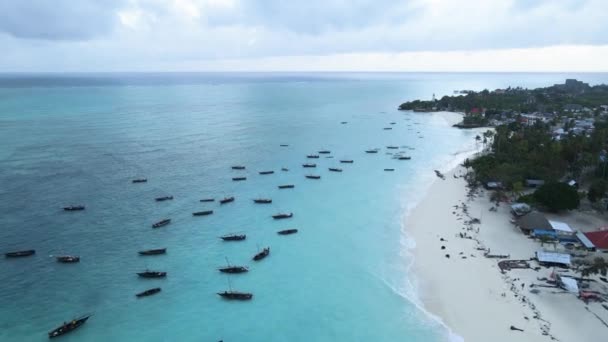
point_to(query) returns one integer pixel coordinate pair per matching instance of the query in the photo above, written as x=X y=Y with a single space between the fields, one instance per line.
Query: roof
x=554 y=258
x=584 y=240
x=569 y=284
x=534 y=220
x=598 y=238
x=561 y=227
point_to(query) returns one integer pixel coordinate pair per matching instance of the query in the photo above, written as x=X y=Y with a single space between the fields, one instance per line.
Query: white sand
x=471 y=295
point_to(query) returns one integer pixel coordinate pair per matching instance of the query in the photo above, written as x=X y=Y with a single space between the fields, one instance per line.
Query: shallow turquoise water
x=81 y=139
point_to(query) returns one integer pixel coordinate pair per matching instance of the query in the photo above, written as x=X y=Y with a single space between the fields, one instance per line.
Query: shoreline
x=466 y=293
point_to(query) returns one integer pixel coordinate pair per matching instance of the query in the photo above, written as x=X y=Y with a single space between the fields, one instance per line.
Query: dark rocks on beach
x=442 y=247
x=447 y=256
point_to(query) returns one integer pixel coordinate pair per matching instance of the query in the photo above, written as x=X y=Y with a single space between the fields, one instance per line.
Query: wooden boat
x=309 y=165
x=68 y=259
x=371 y=151
x=389 y=169
x=74 y=208
x=161 y=223
x=140 y=180
x=208 y=200
x=284 y=169
x=313 y=176
x=202 y=213
x=262 y=200
x=266 y=172
x=324 y=152
x=287 y=186
x=238 y=179
x=392 y=123
x=282 y=216
x=261 y=255
x=335 y=169
x=148 y=292
x=67 y=327
x=152 y=274
x=233 y=269
x=238 y=167
x=234 y=237
x=164 y=198
x=387 y=128
x=226 y=200
x=404 y=158
x=392 y=147
x=153 y=251
x=235 y=295
x=20 y=254
x=346 y=161
x=312 y=156
x=287 y=231
x=283 y=145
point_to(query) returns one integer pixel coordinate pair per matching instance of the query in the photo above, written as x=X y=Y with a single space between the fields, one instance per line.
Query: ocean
x=68 y=139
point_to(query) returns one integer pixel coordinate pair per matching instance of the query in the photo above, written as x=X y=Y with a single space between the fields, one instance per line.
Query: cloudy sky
x=399 y=35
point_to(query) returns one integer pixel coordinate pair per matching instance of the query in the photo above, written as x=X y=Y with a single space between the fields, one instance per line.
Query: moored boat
x=261 y=255
x=235 y=295
x=208 y=200
x=266 y=172
x=152 y=274
x=344 y=122
x=238 y=167
x=284 y=169
x=148 y=292
x=233 y=269
x=324 y=152
x=309 y=165
x=313 y=156
x=163 y=198
x=283 y=145
x=404 y=158
x=227 y=200
x=282 y=216
x=153 y=251
x=287 y=186
x=389 y=169
x=387 y=128
x=371 y=151
x=140 y=180
x=287 y=231
x=161 y=223
x=262 y=200
x=238 y=179
x=346 y=161
x=313 y=176
x=392 y=147
x=74 y=208
x=233 y=237
x=67 y=259
x=202 y=213
x=19 y=254
x=335 y=169
x=67 y=327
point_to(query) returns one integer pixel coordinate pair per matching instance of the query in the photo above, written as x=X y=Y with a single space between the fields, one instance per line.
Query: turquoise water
x=81 y=139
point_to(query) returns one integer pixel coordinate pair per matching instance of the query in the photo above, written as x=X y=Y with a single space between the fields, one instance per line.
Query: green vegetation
x=599 y=266
x=557 y=196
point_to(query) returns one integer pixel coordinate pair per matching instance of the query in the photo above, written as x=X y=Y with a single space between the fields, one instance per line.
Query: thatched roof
x=534 y=220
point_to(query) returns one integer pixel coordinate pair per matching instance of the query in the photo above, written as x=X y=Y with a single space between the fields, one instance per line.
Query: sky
x=311 y=35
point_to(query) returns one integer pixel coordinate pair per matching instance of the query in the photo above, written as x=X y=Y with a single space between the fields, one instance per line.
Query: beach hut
x=562 y=229
x=533 y=220
x=599 y=239
x=582 y=238
x=550 y=259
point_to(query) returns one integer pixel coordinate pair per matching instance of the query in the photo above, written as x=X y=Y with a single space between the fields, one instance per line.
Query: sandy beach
x=468 y=292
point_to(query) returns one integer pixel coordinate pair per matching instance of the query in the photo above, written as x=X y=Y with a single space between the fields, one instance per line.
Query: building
x=599 y=239
x=561 y=228
x=532 y=221
x=553 y=259
x=534 y=183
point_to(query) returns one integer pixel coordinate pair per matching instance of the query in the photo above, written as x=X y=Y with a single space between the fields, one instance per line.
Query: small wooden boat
x=404 y=158
x=344 y=122
x=238 y=179
x=287 y=231
x=161 y=223
x=324 y=152
x=202 y=213
x=233 y=269
x=68 y=327
x=163 y=198
x=140 y=180
x=68 y=259
x=208 y=200
x=392 y=123
x=235 y=295
x=226 y=200
x=282 y=216
x=313 y=176
x=20 y=254
x=287 y=186
x=346 y=161
x=266 y=172
x=309 y=165
x=238 y=167
x=329 y=157
x=74 y=208
x=152 y=274
x=387 y=128
x=153 y=251
x=284 y=169
x=234 y=237
x=389 y=169
x=335 y=169
x=312 y=156
x=392 y=147
x=261 y=255
x=371 y=151
x=262 y=200
x=148 y=292
x=283 y=145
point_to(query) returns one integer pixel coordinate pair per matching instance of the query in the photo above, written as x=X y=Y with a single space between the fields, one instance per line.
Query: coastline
x=466 y=292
